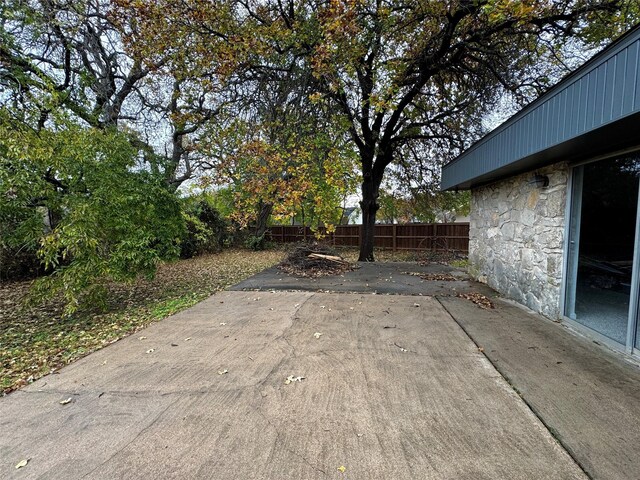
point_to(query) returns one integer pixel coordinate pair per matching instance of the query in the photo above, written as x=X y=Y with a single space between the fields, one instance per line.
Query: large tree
x=93 y=144
x=281 y=150
x=69 y=56
x=76 y=196
x=281 y=154
x=415 y=78
x=412 y=78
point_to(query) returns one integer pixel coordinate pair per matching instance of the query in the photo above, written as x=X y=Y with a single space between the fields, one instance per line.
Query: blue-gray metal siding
x=604 y=90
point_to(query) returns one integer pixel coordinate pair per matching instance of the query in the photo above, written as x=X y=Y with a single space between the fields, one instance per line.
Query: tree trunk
x=369 y=206
x=264 y=212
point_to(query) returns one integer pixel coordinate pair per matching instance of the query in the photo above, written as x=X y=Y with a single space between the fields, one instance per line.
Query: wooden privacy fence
x=410 y=236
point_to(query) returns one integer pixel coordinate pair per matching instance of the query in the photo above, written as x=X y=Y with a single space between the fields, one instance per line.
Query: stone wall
x=516 y=238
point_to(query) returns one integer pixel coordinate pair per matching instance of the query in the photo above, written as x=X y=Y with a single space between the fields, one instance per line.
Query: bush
x=18 y=247
x=107 y=218
x=18 y=264
x=207 y=231
x=256 y=242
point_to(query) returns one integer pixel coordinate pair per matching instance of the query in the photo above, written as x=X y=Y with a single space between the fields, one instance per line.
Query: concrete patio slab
x=588 y=397
x=393 y=388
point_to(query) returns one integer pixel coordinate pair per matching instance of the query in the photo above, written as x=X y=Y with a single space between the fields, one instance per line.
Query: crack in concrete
x=97 y=393
x=278 y=364
x=283 y=335
x=261 y=383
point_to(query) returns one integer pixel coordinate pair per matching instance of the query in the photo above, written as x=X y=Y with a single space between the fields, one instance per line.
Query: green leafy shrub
x=113 y=220
x=256 y=242
x=207 y=231
x=18 y=248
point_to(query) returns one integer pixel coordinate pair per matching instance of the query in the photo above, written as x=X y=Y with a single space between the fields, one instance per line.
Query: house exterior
x=554 y=210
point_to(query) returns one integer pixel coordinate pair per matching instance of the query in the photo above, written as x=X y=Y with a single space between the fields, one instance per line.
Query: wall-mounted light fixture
x=540 y=181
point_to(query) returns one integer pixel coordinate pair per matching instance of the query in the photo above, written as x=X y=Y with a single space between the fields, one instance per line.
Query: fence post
x=395 y=237
x=434 y=243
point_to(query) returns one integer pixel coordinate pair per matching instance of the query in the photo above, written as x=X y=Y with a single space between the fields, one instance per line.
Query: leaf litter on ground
x=434 y=277
x=36 y=340
x=480 y=300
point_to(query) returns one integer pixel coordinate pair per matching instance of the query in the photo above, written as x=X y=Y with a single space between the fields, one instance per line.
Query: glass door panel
x=602 y=244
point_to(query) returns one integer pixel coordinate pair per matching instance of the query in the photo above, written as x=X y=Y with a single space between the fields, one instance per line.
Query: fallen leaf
x=64 y=402
x=223 y=372
x=342 y=469
x=317 y=334
x=416 y=304
x=223 y=323
x=174 y=344
x=292 y=378
x=151 y=350
x=22 y=463
x=187 y=339
x=142 y=338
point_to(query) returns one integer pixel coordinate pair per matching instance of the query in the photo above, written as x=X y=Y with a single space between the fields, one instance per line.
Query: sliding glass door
x=601 y=285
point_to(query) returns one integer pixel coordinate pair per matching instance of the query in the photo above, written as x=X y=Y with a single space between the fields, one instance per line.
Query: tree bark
x=369 y=205
x=264 y=212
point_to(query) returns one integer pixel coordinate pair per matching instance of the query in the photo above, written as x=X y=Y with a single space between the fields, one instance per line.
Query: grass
x=36 y=341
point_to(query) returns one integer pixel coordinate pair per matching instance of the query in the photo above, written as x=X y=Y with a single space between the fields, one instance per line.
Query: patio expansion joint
x=531 y=408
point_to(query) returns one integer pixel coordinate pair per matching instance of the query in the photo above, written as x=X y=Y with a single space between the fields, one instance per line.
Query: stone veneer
x=516 y=238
